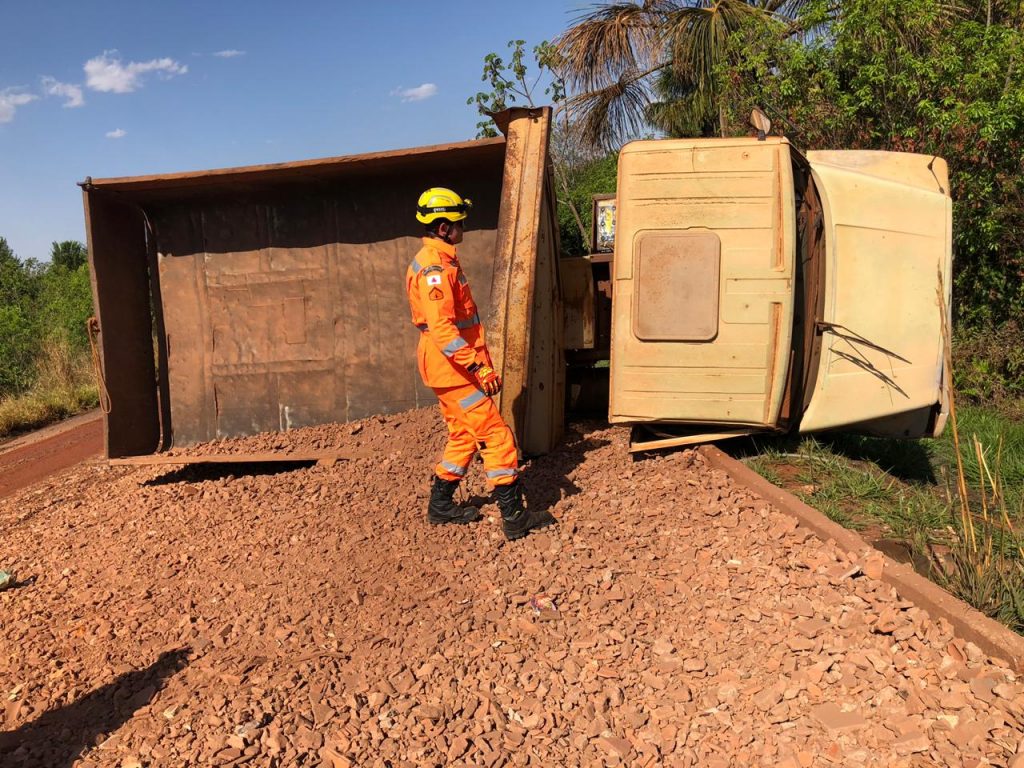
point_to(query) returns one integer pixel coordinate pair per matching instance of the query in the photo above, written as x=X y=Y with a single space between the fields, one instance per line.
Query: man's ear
x=444 y=229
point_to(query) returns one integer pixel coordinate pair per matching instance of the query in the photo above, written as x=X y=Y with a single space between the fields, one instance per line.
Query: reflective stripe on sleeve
x=462 y=279
x=454 y=346
x=453 y=468
x=493 y=473
x=468 y=322
x=472 y=399
x=415 y=266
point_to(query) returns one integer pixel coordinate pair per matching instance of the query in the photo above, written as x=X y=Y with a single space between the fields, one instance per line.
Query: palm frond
x=788 y=9
x=682 y=109
x=608 y=52
x=683 y=118
x=698 y=36
x=612 y=115
x=610 y=41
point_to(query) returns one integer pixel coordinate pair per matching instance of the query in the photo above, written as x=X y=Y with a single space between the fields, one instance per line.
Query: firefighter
x=453 y=360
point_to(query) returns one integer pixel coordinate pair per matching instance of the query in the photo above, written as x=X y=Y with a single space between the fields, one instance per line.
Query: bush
x=988 y=365
x=596 y=177
x=921 y=76
x=43 y=307
x=65 y=304
x=18 y=346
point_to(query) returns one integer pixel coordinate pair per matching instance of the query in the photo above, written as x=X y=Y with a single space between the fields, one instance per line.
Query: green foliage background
x=595 y=177
x=41 y=305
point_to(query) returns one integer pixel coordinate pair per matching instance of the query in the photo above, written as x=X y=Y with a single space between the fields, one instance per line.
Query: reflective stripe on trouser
x=473 y=420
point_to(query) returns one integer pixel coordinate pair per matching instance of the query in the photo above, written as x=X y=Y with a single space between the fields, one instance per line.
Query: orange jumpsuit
x=451 y=339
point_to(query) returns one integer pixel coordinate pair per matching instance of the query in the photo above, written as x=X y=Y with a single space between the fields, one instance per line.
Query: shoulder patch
x=432 y=268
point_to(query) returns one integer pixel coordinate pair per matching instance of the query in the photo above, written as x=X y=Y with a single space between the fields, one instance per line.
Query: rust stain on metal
x=120 y=286
x=169 y=185
x=525 y=246
x=775 y=328
x=577 y=280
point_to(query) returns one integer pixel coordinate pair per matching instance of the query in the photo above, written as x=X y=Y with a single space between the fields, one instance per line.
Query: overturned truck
x=750 y=289
x=753 y=289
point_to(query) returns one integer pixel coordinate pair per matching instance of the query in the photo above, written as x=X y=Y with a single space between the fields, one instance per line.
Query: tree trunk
x=560 y=175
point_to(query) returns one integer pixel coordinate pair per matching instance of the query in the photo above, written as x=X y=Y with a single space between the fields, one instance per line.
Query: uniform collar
x=443 y=248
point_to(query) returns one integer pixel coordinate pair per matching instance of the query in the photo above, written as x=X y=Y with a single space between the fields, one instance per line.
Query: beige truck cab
x=757 y=289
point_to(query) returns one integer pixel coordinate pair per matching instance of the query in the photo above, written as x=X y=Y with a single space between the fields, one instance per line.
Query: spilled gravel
x=307 y=615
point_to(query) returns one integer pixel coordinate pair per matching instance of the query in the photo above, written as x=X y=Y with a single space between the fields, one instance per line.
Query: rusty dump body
x=268 y=298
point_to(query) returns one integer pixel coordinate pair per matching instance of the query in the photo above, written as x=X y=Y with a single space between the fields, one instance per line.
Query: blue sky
x=101 y=88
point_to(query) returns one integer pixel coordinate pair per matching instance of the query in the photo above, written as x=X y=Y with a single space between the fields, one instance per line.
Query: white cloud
x=230 y=53
x=108 y=73
x=117 y=133
x=10 y=100
x=419 y=93
x=73 y=93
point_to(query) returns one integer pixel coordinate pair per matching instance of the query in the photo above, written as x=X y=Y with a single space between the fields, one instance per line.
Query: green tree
x=70 y=254
x=42 y=306
x=19 y=345
x=15 y=280
x=510 y=84
x=19 y=332
x=585 y=179
x=64 y=306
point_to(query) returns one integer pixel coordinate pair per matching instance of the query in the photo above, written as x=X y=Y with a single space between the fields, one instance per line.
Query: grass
x=849 y=486
x=65 y=385
x=991 y=427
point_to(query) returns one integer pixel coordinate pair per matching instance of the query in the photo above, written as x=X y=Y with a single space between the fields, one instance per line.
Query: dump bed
x=268 y=298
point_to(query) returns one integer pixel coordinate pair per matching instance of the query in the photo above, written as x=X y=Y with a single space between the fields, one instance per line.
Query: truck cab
x=756 y=289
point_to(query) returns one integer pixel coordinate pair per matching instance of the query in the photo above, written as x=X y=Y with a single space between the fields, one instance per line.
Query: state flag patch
x=433 y=279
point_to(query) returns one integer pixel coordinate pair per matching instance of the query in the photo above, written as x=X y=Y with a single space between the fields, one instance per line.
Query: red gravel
x=236 y=616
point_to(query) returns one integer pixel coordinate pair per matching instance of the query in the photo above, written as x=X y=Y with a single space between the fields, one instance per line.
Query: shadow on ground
x=56 y=738
x=547 y=481
x=907 y=460
x=197 y=473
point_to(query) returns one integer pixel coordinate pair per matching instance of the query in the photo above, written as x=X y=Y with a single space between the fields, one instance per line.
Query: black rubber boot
x=516 y=519
x=443 y=509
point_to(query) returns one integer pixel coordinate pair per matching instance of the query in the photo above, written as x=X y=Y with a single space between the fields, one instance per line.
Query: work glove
x=487 y=377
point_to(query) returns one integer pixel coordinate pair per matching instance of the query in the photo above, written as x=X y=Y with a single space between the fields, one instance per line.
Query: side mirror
x=761 y=123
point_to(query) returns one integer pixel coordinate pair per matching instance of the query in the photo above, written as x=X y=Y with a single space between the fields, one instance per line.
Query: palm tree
x=652 y=63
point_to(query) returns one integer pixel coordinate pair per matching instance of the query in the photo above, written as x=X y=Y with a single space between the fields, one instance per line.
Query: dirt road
x=30 y=458
x=308 y=616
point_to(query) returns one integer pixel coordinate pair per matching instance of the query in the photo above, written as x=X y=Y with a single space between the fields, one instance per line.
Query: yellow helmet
x=441 y=203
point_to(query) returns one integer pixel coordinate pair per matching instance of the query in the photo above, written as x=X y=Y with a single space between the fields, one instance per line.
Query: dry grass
x=65 y=385
x=986 y=563
x=986 y=567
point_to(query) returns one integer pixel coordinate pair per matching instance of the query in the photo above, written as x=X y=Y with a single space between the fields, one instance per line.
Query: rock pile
x=307 y=615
